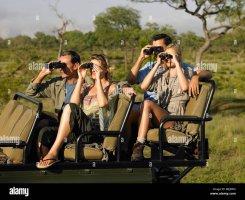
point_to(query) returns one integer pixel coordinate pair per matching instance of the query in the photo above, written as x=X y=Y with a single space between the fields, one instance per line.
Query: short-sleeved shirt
x=169 y=94
x=151 y=95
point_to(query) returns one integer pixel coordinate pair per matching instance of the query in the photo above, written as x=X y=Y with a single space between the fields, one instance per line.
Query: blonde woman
x=171 y=85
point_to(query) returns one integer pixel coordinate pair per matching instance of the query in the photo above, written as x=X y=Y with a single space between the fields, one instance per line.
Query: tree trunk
x=201 y=51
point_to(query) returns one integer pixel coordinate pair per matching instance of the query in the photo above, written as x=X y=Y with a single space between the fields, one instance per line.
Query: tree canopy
x=116 y=26
x=229 y=14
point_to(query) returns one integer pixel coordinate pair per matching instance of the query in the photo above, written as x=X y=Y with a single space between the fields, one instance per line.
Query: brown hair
x=103 y=61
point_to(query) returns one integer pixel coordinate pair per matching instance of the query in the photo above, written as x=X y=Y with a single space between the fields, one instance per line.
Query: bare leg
x=40 y=125
x=150 y=109
x=63 y=132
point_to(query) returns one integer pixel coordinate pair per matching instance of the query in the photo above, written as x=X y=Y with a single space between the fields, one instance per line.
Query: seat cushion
x=172 y=136
x=12 y=119
x=196 y=106
x=18 y=123
x=110 y=143
x=87 y=153
x=6 y=113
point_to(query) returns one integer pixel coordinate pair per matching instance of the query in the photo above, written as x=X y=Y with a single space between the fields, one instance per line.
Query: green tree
x=152 y=28
x=21 y=41
x=169 y=30
x=118 y=27
x=45 y=41
x=90 y=40
x=74 y=40
x=229 y=14
x=3 y=43
x=232 y=43
x=80 y=41
x=190 y=42
x=238 y=42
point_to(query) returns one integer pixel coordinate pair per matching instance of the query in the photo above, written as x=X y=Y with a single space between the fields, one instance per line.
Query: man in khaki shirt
x=55 y=88
x=59 y=89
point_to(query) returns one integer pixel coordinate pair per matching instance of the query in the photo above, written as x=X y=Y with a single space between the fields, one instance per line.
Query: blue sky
x=29 y=16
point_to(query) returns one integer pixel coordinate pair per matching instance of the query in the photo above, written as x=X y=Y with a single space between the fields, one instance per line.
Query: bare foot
x=47 y=161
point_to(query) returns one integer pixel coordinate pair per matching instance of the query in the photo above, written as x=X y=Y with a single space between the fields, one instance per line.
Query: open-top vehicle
x=170 y=150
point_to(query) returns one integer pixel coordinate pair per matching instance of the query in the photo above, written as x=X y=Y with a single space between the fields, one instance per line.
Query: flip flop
x=48 y=165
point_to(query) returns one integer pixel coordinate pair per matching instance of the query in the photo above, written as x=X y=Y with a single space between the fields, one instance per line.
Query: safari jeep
x=169 y=149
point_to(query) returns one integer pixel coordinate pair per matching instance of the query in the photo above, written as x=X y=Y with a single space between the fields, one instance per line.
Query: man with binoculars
x=59 y=89
x=137 y=74
x=159 y=44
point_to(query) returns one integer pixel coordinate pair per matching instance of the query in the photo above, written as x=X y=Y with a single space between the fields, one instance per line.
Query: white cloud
x=20 y=17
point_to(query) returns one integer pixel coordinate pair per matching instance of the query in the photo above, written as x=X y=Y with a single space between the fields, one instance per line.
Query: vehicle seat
x=121 y=105
x=196 y=106
x=16 y=122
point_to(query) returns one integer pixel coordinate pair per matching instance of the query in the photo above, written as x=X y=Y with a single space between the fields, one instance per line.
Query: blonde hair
x=176 y=48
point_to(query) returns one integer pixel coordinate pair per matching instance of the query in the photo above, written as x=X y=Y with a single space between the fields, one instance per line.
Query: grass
x=226 y=147
x=227 y=159
x=226 y=131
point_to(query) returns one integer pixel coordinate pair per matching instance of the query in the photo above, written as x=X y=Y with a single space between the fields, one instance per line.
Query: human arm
x=199 y=75
x=43 y=73
x=38 y=89
x=150 y=76
x=133 y=74
x=183 y=82
x=76 y=94
x=101 y=96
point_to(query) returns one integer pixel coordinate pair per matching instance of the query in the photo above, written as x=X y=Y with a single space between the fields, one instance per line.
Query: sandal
x=39 y=166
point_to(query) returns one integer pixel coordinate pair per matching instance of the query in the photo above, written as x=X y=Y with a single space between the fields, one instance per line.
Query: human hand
x=176 y=59
x=46 y=70
x=142 y=54
x=128 y=91
x=81 y=72
x=98 y=71
x=159 y=59
x=194 y=86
